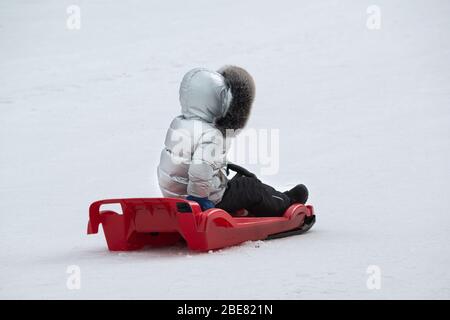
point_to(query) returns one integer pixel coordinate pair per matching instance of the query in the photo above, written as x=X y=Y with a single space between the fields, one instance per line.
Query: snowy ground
x=364 y=119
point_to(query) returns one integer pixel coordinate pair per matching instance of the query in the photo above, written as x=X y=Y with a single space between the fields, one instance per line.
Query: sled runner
x=165 y=221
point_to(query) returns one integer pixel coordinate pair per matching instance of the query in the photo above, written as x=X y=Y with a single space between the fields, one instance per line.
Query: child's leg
x=251 y=194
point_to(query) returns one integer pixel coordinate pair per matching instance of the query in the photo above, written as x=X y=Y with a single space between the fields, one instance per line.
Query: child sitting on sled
x=193 y=163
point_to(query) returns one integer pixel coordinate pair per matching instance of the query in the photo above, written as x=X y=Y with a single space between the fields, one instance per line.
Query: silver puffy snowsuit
x=193 y=160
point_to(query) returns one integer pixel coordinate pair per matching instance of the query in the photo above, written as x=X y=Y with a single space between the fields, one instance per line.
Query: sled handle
x=179 y=205
x=94 y=213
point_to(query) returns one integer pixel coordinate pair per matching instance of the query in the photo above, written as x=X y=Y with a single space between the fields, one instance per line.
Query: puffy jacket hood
x=224 y=98
x=242 y=88
x=204 y=95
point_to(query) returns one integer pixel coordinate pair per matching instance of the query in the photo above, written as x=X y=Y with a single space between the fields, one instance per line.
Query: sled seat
x=165 y=221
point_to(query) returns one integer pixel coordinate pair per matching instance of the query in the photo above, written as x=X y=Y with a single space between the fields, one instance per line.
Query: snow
x=364 y=120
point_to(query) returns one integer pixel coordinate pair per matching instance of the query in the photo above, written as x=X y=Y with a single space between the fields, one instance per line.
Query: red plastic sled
x=165 y=221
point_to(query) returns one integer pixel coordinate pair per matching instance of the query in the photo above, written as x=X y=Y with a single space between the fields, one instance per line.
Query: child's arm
x=239 y=170
x=201 y=169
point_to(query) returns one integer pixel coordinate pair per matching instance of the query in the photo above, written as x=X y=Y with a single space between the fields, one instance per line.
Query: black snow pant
x=259 y=199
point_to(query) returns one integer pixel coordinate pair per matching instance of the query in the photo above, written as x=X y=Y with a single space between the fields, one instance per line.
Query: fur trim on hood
x=242 y=87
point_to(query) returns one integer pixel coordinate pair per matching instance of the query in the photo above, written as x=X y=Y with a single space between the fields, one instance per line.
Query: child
x=193 y=164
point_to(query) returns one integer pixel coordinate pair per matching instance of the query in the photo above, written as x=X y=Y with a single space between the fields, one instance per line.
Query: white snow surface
x=364 y=120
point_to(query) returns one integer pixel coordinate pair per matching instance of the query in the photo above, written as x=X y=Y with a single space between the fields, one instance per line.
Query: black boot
x=298 y=194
